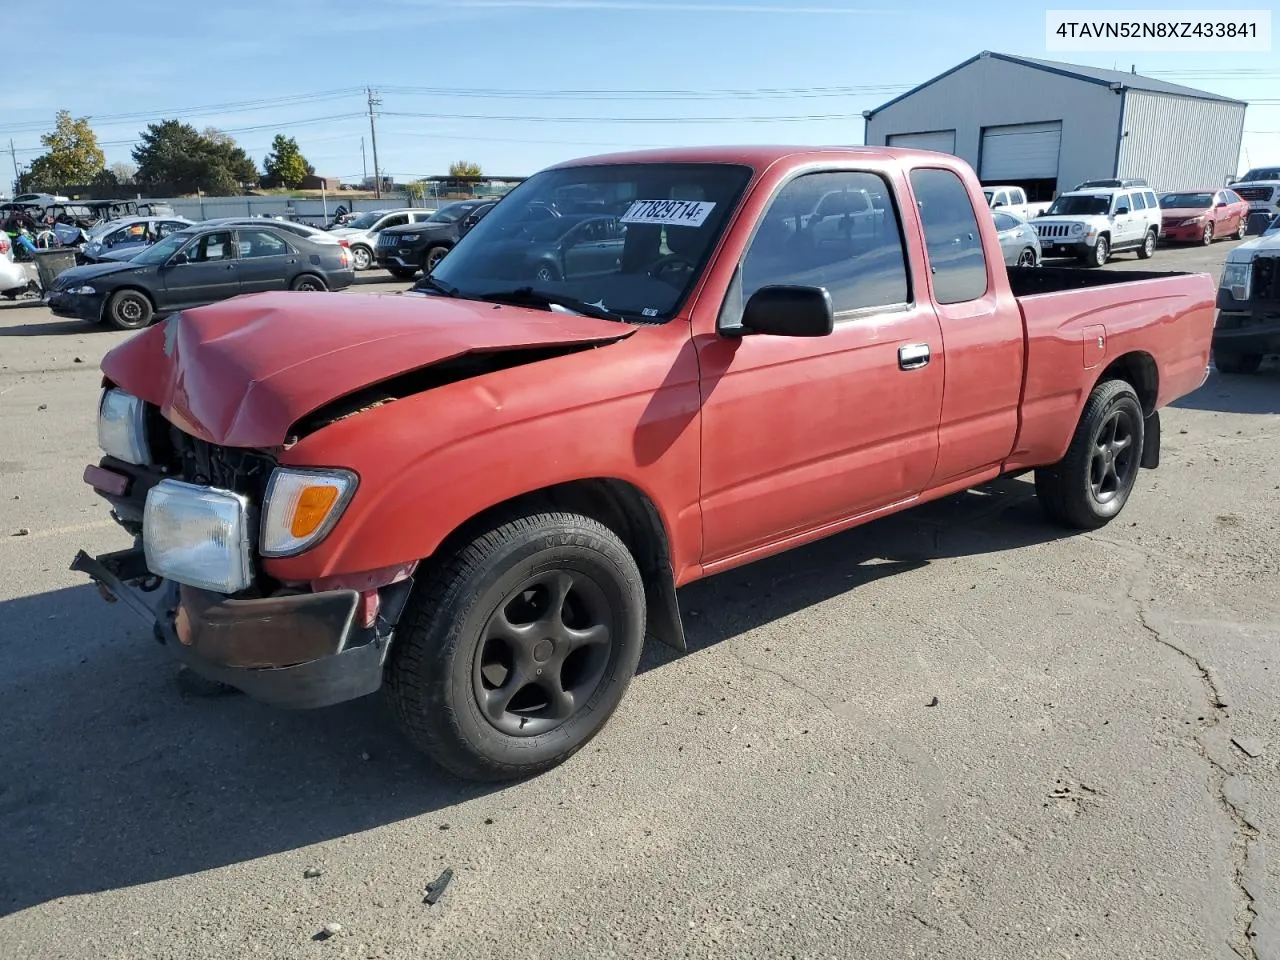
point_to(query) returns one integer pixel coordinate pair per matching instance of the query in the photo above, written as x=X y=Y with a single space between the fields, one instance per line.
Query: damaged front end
x=290 y=645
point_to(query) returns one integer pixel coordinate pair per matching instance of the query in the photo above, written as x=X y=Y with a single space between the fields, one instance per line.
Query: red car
x=1202 y=216
x=486 y=491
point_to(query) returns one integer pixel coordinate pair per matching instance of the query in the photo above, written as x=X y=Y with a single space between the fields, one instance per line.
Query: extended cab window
x=823 y=230
x=1139 y=201
x=951 y=236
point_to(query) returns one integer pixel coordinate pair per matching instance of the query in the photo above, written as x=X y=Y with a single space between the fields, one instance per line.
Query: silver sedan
x=1018 y=240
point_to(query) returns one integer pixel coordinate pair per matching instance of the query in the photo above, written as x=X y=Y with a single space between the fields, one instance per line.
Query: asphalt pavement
x=954 y=733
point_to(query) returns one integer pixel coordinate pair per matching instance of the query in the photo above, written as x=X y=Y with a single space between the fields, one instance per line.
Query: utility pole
x=16 y=175
x=374 y=101
x=364 y=165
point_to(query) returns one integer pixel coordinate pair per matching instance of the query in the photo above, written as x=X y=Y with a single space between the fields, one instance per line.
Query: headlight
x=1077 y=229
x=301 y=508
x=122 y=430
x=1236 y=277
x=406 y=238
x=84 y=290
x=1193 y=221
x=198 y=536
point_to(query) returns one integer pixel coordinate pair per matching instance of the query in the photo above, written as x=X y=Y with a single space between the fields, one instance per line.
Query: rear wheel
x=361 y=257
x=517 y=649
x=1089 y=487
x=1148 y=248
x=1243 y=229
x=309 y=283
x=1237 y=363
x=130 y=310
x=1027 y=258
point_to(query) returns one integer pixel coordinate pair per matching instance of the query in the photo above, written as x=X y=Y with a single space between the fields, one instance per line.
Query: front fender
x=430 y=462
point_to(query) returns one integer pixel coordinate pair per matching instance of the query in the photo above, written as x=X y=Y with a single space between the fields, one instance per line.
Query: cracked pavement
x=954 y=733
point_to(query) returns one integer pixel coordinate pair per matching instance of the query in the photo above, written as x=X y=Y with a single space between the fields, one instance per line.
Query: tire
x=361 y=258
x=1242 y=230
x=1233 y=364
x=129 y=310
x=1100 y=254
x=400 y=273
x=431 y=257
x=1207 y=237
x=1148 y=248
x=1088 y=488
x=452 y=660
x=309 y=283
x=546 y=273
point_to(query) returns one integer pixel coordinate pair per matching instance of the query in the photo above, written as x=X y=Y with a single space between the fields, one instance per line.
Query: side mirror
x=998 y=203
x=179 y=258
x=789 y=311
x=1221 y=203
x=1121 y=211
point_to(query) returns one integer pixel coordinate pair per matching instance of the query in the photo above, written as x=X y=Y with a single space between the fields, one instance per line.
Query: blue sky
x=518 y=84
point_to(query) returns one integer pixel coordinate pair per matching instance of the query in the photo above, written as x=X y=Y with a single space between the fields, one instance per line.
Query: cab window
x=951 y=236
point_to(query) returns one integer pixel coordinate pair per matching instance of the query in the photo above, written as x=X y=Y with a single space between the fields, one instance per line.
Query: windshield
x=366 y=220
x=163 y=250
x=1080 y=206
x=1261 y=173
x=1178 y=201
x=451 y=212
x=638 y=260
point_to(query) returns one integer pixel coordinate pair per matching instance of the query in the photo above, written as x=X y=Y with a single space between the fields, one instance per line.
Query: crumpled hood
x=242 y=372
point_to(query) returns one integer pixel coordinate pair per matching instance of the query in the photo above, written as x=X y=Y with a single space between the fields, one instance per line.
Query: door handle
x=913 y=356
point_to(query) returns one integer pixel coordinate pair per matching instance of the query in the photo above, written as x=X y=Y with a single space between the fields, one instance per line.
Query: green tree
x=285 y=162
x=176 y=156
x=73 y=156
x=464 y=168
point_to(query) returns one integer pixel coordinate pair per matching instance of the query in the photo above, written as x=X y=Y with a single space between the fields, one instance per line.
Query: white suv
x=1092 y=224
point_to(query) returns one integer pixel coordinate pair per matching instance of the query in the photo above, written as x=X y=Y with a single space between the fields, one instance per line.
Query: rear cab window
x=952 y=239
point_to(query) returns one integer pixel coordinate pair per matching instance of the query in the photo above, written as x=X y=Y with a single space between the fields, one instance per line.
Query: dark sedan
x=196 y=266
x=403 y=251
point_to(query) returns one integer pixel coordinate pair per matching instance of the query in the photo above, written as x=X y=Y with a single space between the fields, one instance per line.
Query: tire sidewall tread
x=430 y=667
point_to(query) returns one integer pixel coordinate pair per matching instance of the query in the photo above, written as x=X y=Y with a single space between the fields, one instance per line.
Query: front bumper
x=1245 y=333
x=298 y=651
x=1191 y=234
x=1064 y=246
x=75 y=306
x=402 y=258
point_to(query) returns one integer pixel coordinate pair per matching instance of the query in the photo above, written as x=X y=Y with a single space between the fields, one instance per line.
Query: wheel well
x=624 y=509
x=1139 y=370
x=139 y=290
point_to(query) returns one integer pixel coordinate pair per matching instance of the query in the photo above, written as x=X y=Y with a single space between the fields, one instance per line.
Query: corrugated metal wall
x=1178 y=143
x=991 y=92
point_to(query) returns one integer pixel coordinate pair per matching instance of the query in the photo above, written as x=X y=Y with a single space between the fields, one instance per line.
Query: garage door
x=944 y=141
x=1024 y=151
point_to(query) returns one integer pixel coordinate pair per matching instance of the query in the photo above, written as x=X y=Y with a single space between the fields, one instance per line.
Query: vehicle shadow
x=118 y=774
x=999 y=516
x=48 y=328
x=1255 y=393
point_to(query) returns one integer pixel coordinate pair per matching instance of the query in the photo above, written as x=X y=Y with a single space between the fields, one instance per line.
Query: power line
x=764 y=93
x=784 y=118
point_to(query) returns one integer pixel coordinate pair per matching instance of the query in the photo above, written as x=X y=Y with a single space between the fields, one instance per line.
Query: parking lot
x=956 y=732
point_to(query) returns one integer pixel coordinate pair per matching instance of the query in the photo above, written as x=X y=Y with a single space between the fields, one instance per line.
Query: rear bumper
x=288 y=651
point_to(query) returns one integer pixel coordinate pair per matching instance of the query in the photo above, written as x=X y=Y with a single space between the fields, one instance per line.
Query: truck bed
x=1156 y=327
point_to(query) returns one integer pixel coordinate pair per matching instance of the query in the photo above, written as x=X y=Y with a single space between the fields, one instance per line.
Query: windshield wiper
x=522 y=296
x=431 y=283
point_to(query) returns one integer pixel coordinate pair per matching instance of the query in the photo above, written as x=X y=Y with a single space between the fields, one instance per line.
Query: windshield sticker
x=669 y=213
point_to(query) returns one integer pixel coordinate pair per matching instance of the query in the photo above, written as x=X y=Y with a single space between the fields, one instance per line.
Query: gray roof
x=1133 y=81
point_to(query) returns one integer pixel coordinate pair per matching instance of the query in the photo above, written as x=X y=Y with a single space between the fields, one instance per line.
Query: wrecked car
x=483 y=494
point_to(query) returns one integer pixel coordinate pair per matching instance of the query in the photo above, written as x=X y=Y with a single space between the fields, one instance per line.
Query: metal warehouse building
x=1047 y=126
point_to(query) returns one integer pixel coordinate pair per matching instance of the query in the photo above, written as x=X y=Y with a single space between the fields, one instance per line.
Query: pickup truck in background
x=1013 y=200
x=1248 y=325
x=483 y=493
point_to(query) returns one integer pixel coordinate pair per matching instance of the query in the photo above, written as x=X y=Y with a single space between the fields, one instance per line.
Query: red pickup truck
x=638 y=370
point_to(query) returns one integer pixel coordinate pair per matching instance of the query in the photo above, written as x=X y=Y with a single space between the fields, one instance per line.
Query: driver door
x=1128 y=222
x=210 y=273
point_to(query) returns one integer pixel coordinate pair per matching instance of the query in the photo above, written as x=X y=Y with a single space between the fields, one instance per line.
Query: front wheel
x=517 y=649
x=1027 y=258
x=1089 y=487
x=1148 y=248
x=1208 y=234
x=130 y=310
x=1237 y=363
x=431 y=258
x=1100 y=254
